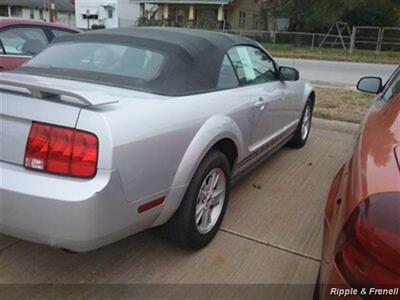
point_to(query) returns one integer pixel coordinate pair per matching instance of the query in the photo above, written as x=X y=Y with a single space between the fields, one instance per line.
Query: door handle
x=260 y=103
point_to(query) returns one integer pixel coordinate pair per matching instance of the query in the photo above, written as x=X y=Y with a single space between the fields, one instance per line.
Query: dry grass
x=341 y=104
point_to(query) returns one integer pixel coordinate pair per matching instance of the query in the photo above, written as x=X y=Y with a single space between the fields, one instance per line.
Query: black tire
x=299 y=141
x=181 y=229
x=316 y=288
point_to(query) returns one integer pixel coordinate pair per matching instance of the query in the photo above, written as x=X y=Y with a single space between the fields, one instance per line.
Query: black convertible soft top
x=193 y=57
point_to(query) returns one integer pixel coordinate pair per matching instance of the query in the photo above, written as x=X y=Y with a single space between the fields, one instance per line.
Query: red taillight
x=369 y=245
x=61 y=150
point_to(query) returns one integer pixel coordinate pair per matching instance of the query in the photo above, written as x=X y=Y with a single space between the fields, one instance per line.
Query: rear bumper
x=75 y=214
x=330 y=278
x=331 y=281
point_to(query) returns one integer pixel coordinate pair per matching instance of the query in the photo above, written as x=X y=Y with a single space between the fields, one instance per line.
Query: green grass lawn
x=367 y=56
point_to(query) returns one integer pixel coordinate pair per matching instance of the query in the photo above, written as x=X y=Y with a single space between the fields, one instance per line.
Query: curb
x=340 y=126
x=327 y=84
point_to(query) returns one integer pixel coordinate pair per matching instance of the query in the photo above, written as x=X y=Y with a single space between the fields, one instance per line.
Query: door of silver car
x=256 y=70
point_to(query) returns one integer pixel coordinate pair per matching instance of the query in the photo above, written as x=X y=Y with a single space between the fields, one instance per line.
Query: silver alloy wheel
x=305 y=126
x=210 y=201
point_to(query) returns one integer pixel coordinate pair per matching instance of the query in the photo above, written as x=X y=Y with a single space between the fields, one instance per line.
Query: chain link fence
x=379 y=39
x=362 y=38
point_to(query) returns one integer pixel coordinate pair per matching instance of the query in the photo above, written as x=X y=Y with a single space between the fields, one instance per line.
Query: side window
x=252 y=65
x=227 y=77
x=110 y=13
x=23 y=40
x=393 y=89
x=60 y=32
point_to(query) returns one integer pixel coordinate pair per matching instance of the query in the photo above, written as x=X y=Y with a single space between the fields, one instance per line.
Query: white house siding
x=128 y=13
x=124 y=13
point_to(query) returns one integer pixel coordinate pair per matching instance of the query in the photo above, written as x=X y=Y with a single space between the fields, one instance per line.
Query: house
x=39 y=10
x=211 y=14
x=107 y=13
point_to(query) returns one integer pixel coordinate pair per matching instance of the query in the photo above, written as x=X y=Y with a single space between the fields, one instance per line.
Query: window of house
x=177 y=15
x=252 y=65
x=27 y=41
x=180 y=16
x=31 y=13
x=255 y=21
x=242 y=18
x=208 y=14
x=16 y=11
x=227 y=77
x=110 y=12
x=4 y=10
x=41 y=14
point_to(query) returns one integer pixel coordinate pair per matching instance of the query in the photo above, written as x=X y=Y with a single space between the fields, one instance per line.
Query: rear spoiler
x=40 y=89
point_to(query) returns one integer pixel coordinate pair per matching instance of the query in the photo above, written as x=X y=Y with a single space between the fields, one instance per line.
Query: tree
x=271 y=10
x=305 y=15
x=319 y=15
x=384 y=13
x=314 y=15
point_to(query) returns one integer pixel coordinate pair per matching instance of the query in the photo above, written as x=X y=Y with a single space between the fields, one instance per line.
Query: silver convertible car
x=111 y=132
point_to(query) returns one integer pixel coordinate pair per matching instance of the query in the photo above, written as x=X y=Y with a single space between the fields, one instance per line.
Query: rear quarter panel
x=147 y=140
x=371 y=169
x=157 y=143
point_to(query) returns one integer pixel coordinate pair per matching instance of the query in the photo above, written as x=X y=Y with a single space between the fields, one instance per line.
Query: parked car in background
x=122 y=130
x=361 y=245
x=22 y=39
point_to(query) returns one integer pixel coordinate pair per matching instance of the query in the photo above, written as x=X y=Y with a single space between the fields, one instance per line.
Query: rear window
x=96 y=58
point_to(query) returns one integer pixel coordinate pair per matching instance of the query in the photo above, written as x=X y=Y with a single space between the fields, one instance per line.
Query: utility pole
x=44 y=9
x=88 y=18
x=52 y=16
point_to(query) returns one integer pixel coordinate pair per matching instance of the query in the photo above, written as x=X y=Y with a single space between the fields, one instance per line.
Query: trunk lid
x=17 y=111
x=26 y=98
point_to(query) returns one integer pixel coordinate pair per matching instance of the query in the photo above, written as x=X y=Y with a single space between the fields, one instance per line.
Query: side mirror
x=288 y=74
x=372 y=85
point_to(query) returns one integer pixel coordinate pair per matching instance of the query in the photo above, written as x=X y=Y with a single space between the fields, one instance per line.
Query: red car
x=22 y=39
x=361 y=248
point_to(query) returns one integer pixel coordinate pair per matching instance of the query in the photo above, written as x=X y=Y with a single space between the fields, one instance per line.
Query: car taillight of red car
x=368 y=250
x=61 y=150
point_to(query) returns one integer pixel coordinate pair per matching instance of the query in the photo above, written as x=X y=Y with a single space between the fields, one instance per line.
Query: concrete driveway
x=335 y=72
x=271 y=235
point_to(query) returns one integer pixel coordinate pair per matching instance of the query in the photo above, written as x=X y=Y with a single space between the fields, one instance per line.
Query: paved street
x=270 y=235
x=334 y=72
